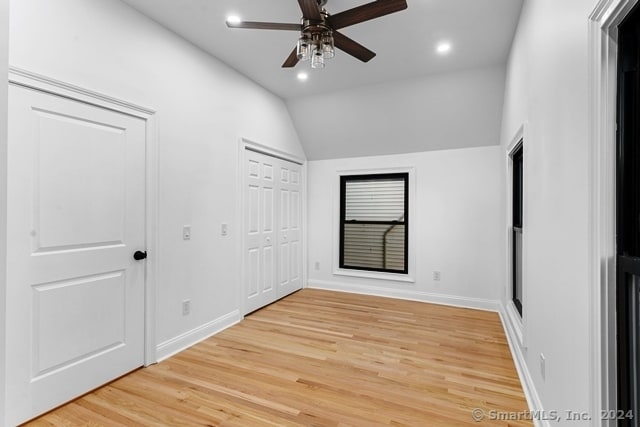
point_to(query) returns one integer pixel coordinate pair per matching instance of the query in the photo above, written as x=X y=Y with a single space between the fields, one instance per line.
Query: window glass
x=373 y=222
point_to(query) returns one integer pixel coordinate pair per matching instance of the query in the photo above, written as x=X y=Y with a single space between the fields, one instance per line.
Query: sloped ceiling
x=460 y=109
x=480 y=32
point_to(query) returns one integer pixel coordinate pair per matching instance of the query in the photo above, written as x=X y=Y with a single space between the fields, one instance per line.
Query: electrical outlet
x=436 y=276
x=543 y=367
x=186 y=307
x=224 y=230
x=317 y=265
x=186 y=232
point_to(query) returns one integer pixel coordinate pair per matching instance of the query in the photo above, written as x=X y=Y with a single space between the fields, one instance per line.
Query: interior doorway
x=81 y=216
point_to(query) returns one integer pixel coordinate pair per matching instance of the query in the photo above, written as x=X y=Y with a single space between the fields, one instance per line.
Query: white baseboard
x=530 y=392
x=453 y=300
x=181 y=342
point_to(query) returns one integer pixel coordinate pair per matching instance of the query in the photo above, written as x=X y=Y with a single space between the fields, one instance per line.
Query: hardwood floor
x=319 y=358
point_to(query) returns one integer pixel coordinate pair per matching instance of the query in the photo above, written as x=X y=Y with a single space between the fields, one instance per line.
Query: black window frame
x=627 y=226
x=517 y=163
x=375 y=177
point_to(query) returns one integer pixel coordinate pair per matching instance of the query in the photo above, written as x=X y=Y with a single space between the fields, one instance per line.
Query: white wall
x=546 y=87
x=4 y=61
x=436 y=112
x=203 y=108
x=457 y=218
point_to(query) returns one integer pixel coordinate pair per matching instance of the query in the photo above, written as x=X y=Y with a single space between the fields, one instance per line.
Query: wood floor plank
x=320 y=358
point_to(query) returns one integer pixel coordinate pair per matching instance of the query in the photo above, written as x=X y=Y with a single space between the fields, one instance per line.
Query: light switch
x=224 y=230
x=186 y=232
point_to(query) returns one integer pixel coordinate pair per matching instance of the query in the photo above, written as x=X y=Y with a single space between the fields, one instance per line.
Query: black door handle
x=139 y=255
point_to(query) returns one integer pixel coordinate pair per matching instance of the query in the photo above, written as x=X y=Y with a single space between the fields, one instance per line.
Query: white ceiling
x=480 y=31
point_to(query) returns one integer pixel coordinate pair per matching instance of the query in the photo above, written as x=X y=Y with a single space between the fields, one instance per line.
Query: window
x=517 y=166
x=374 y=222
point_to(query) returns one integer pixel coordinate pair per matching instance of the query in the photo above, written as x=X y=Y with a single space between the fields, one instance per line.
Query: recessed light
x=443 y=48
x=303 y=76
x=233 y=19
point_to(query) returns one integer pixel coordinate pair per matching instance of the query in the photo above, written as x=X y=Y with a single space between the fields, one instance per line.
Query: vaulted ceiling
x=480 y=33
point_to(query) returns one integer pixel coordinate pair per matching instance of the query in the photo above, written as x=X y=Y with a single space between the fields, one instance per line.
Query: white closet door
x=76 y=215
x=289 y=236
x=260 y=196
x=273 y=224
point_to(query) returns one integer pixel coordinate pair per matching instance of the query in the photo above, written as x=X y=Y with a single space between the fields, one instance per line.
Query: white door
x=260 y=226
x=273 y=212
x=76 y=196
x=290 y=246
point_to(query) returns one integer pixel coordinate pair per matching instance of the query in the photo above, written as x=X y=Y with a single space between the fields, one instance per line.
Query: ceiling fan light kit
x=319 y=35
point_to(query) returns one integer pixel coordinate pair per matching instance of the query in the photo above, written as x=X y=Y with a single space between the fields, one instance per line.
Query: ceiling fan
x=319 y=30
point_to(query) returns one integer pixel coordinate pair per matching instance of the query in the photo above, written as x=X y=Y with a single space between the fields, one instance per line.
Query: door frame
x=603 y=57
x=31 y=80
x=245 y=144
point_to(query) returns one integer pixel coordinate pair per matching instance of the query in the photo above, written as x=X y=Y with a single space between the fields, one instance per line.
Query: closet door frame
x=244 y=145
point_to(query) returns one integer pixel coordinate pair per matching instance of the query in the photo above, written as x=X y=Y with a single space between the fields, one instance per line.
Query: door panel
x=267 y=196
x=253 y=270
x=58 y=339
x=276 y=239
x=253 y=206
x=269 y=262
x=285 y=209
x=291 y=247
x=284 y=253
x=76 y=197
x=285 y=257
x=260 y=229
x=84 y=149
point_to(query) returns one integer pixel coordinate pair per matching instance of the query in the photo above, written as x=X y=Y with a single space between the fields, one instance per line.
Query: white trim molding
x=45 y=84
x=247 y=144
x=517 y=353
x=603 y=56
x=183 y=341
x=408 y=294
x=4 y=58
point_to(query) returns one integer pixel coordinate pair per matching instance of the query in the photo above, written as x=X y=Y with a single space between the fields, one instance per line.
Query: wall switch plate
x=224 y=229
x=186 y=232
x=436 y=276
x=186 y=307
x=317 y=265
x=543 y=367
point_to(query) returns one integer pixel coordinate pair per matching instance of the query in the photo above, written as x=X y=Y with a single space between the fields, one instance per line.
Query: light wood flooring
x=320 y=358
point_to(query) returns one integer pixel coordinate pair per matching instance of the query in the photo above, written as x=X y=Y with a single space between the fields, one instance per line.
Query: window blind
x=373 y=233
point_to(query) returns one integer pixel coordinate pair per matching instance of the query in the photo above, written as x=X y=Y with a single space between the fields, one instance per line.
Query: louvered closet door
x=273 y=229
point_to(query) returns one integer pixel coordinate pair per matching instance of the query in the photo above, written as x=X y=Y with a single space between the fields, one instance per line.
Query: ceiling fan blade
x=292 y=60
x=310 y=10
x=366 y=12
x=264 y=26
x=352 y=47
